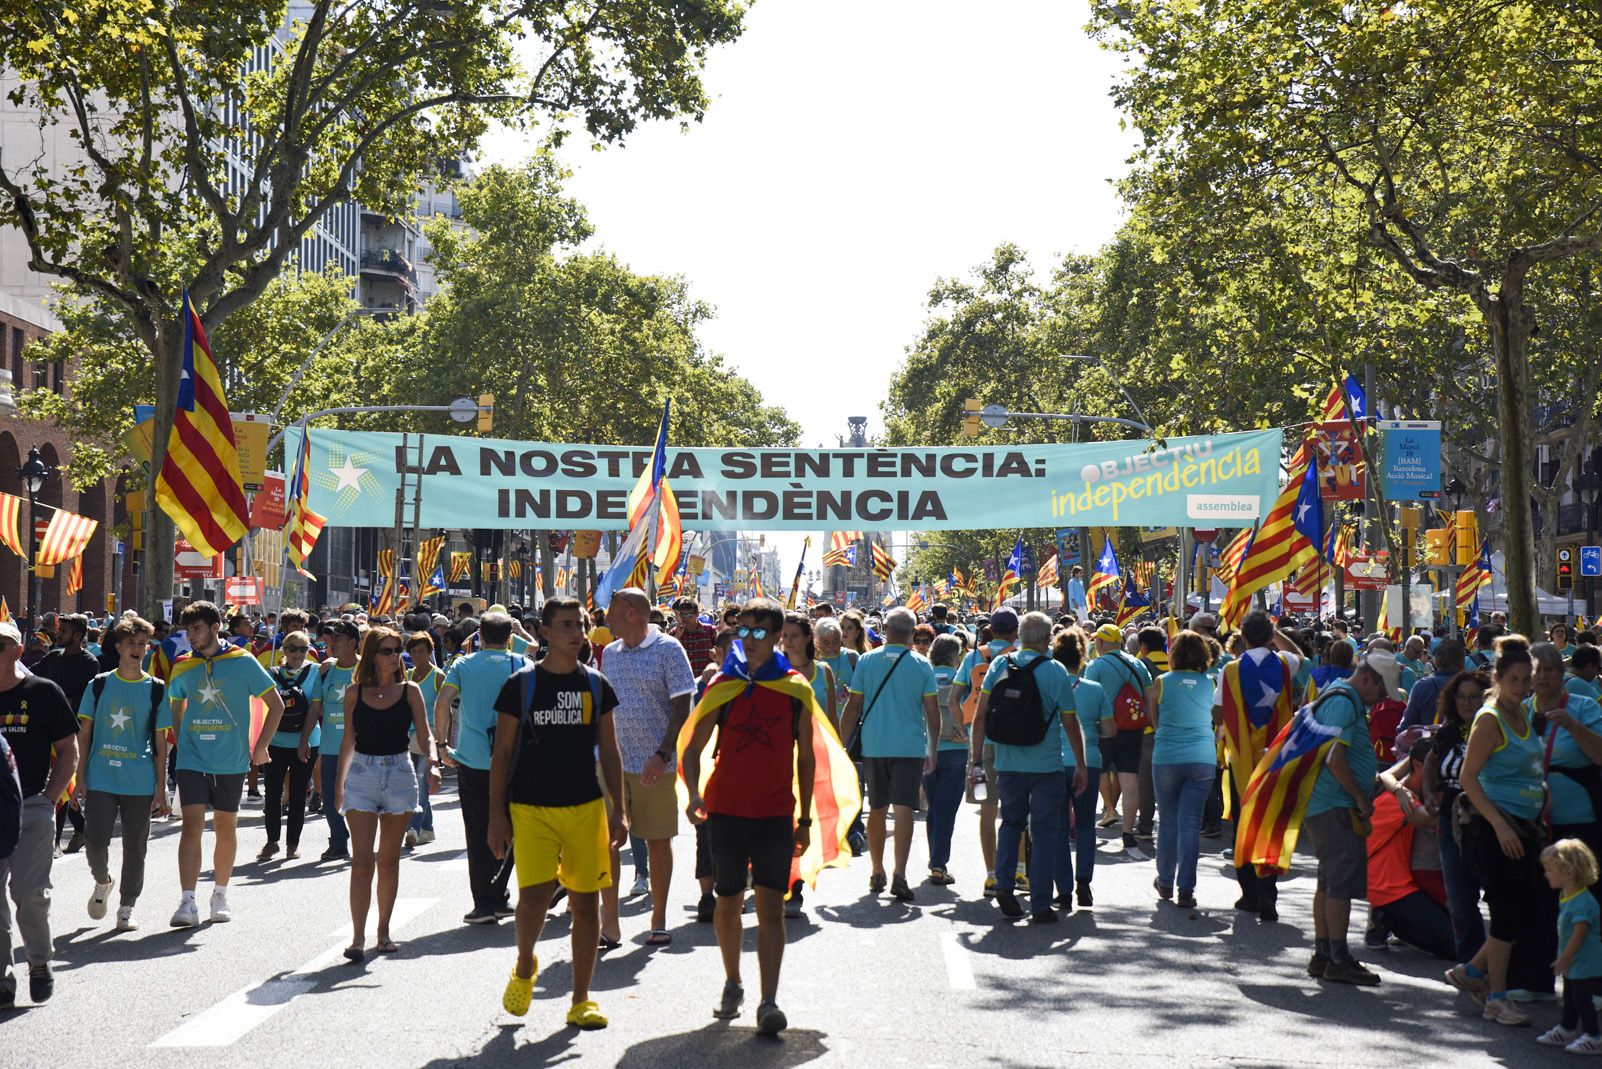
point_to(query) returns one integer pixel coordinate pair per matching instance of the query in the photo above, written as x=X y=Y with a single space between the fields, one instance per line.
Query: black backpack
x=296 y=704
x=1017 y=715
x=158 y=690
x=10 y=802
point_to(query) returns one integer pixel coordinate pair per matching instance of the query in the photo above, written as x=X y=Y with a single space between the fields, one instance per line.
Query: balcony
x=387 y=261
x=1571 y=519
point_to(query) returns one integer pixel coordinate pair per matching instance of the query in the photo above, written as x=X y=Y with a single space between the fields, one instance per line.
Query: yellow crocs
x=586 y=1015
x=519 y=992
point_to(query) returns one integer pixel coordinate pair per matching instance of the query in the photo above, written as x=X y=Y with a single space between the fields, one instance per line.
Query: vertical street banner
x=1410 y=459
x=1213 y=480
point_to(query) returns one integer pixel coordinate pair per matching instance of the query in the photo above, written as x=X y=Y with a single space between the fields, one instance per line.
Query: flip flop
x=386 y=946
x=609 y=944
x=658 y=937
x=354 y=953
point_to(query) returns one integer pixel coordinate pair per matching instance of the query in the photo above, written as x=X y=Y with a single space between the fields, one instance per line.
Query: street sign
x=1410 y=461
x=1367 y=572
x=993 y=416
x=1204 y=535
x=1591 y=560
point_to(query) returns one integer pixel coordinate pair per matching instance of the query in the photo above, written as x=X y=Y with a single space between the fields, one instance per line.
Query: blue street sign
x=1067 y=548
x=1591 y=560
x=1410 y=464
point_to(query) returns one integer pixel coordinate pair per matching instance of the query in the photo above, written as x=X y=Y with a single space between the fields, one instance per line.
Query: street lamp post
x=33 y=473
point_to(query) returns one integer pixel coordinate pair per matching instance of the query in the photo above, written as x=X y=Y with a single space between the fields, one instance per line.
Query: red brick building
x=21 y=324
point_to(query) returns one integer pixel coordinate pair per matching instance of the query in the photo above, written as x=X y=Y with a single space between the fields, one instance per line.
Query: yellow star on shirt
x=119 y=719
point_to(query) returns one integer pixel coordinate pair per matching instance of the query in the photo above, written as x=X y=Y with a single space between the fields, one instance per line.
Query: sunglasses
x=296 y=649
x=389 y=651
x=758 y=633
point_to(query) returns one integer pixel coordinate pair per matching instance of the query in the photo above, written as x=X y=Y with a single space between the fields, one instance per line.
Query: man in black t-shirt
x=546 y=806
x=72 y=668
x=42 y=732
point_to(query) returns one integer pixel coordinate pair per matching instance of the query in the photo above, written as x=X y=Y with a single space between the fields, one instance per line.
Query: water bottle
x=981 y=789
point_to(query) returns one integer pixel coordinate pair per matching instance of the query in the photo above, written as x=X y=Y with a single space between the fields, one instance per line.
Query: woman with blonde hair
x=376 y=787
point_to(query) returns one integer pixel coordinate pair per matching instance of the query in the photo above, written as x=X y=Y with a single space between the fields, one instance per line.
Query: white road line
x=235 y=1016
x=959 y=963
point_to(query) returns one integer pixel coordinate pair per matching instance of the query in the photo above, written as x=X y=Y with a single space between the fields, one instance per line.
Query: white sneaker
x=1503 y=1011
x=642 y=886
x=1558 y=1036
x=411 y=837
x=1585 y=1045
x=220 y=913
x=125 y=921
x=98 y=900
x=188 y=914
x=425 y=836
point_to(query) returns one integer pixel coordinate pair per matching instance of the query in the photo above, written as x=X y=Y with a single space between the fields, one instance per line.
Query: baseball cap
x=497 y=607
x=8 y=629
x=1109 y=633
x=1004 y=621
x=347 y=628
x=1385 y=664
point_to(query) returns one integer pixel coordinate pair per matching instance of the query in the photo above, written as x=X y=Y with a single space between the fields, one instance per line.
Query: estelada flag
x=1259 y=700
x=1276 y=797
x=836 y=797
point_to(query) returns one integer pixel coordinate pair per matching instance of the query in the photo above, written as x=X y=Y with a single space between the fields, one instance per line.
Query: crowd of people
x=1459 y=773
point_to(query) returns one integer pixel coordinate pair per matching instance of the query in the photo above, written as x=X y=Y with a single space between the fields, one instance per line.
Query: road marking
x=455 y=864
x=235 y=1016
x=959 y=963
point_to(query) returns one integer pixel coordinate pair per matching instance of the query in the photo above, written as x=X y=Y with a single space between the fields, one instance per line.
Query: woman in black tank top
x=377 y=785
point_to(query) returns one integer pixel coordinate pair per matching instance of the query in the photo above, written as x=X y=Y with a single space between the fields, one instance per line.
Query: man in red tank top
x=763 y=757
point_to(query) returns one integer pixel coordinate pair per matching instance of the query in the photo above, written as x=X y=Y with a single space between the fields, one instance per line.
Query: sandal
x=385 y=946
x=609 y=944
x=941 y=878
x=658 y=937
x=354 y=953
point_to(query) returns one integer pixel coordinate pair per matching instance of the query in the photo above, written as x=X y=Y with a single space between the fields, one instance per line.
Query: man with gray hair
x=1030 y=693
x=892 y=703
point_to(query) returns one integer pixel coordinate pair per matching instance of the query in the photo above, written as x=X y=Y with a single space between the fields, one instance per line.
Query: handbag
x=854 y=747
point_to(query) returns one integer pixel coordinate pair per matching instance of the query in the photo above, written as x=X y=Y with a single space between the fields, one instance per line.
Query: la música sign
x=1224 y=480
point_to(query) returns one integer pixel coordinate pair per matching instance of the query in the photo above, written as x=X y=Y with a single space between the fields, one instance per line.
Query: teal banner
x=1225 y=480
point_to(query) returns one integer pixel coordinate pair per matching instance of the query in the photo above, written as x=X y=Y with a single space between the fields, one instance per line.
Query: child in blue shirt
x=1571 y=869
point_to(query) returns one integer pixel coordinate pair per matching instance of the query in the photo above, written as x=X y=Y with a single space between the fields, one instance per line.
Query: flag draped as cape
x=836 y=797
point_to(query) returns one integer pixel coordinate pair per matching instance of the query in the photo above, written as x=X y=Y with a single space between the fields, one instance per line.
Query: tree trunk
x=1510 y=323
x=160 y=532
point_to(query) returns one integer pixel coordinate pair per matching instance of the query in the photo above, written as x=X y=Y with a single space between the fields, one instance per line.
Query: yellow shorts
x=567 y=843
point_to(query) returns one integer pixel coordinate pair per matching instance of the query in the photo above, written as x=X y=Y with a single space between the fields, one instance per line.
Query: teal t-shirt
x=973 y=659
x=1583 y=687
x=1578 y=908
x=1184 y=720
x=1092 y=706
x=290 y=740
x=842 y=665
x=214 y=727
x=895 y=725
x=1343 y=709
x=429 y=685
x=1571 y=803
x=1050 y=754
x=479 y=677
x=121 y=758
x=1512 y=774
x=1113 y=670
x=327 y=685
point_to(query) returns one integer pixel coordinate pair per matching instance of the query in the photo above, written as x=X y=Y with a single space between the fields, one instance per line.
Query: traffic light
x=1468 y=541
x=486 y=413
x=970 y=417
x=1438 y=546
x=1565 y=574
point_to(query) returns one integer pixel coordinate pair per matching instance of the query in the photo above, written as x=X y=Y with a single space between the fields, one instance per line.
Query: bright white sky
x=853 y=152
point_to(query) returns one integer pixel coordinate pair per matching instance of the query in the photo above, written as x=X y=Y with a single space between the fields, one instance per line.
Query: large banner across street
x=1225 y=480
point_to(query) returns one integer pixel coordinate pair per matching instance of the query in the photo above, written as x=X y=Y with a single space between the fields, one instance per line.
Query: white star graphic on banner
x=349 y=476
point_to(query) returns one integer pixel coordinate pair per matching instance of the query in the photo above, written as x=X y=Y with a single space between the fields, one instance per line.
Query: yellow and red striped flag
x=427 y=554
x=199 y=485
x=1287 y=538
x=1475 y=575
x=304 y=525
x=386 y=577
x=652 y=502
x=461 y=565
x=66 y=537
x=1047 y=575
x=1107 y=574
x=10 y=523
x=883 y=562
x=75 y=576
x=844 y=539
x=1276 y=797
x=1229 y=559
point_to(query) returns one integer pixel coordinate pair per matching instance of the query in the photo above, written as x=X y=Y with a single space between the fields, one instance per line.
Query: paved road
x=867 y=982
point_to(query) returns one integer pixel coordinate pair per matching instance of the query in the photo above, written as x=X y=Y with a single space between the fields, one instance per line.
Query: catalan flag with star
x=1289 y=537
x=199 y=484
